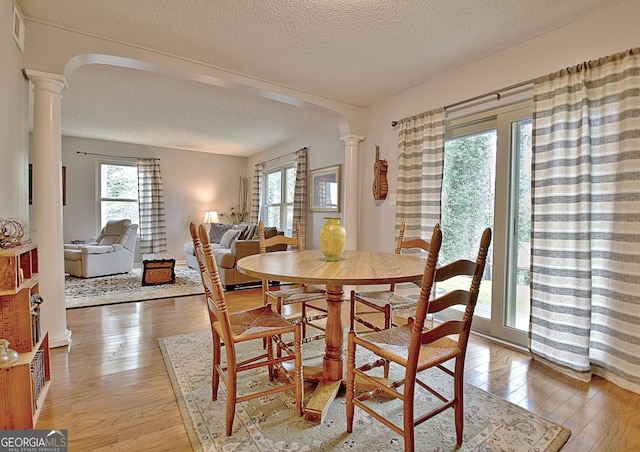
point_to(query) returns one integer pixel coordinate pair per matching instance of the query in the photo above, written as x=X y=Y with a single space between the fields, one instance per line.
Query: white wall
x=605 y=33
x=324 y=149
x=608 y=32
x=14 y=150
x=193 y=182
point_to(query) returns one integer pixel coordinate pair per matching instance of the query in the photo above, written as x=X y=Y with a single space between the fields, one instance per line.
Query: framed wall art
x=325 y=189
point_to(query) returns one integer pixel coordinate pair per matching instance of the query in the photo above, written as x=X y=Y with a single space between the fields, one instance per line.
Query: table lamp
x=211 y=216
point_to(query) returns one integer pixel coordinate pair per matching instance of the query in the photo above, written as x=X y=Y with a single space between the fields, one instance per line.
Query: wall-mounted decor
x=18 y=28
x=325 y=189
x=380 y=184
x=64 y=185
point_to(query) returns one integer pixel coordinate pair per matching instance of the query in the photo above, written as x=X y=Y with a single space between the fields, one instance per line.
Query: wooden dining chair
x=302 y=294
x=388 y=301
x=197 y=244
x=416 y=349
x=230 y=329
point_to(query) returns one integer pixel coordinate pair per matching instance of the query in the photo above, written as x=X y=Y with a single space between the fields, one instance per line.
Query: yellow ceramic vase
x=333 y=237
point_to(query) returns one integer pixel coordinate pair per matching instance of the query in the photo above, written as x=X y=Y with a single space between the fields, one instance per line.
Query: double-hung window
x=279 y=190
x=118 y=192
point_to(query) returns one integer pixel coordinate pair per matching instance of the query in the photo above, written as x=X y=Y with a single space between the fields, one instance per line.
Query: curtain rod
x=116 y=156
x=279 y=157
x=496 y=93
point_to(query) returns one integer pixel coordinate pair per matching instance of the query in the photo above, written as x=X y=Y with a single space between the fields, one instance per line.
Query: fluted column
x=351 y=179
x=46 y=210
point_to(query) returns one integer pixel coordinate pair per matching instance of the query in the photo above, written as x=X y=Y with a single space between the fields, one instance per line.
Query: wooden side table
x=158 y=268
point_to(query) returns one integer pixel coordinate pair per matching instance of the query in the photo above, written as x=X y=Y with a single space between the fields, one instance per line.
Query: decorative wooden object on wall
x=380 y=185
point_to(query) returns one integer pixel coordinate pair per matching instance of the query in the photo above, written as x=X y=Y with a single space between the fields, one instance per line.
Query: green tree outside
x=467 y=195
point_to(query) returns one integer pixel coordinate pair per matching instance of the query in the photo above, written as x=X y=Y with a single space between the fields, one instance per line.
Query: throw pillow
x=229 y=237
x=217 y=231
x=270 y=231
x=253 y=232
x=243 y=228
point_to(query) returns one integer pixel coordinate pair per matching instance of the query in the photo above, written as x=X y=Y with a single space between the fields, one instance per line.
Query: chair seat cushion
x=73 y=255
x=101 y=249
x=223 y=256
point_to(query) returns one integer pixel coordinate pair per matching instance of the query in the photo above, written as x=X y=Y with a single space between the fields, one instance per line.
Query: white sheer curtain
x=420 y=167
x=152 y=231
x=585 y=247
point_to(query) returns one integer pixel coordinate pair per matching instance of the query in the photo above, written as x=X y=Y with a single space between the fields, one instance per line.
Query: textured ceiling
x=352 y=51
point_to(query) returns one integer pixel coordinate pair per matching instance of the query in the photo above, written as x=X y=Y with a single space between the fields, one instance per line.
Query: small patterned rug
x=127 y=287
x=270 y=423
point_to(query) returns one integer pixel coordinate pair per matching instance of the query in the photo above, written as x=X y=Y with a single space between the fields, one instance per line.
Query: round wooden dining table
x=354 y=268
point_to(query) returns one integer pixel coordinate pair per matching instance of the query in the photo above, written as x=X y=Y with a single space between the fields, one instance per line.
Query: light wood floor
x=111 y=390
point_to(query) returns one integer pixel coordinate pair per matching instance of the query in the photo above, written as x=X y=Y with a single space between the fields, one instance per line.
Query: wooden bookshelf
x=23 y=385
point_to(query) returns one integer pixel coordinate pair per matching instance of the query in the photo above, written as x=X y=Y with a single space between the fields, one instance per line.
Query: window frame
x=100 y=199
x=283 y=205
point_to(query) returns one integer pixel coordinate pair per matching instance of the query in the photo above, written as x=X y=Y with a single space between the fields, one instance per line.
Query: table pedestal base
x=324 y=394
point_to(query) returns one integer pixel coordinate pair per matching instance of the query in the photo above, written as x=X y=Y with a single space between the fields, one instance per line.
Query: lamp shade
x=211 y=216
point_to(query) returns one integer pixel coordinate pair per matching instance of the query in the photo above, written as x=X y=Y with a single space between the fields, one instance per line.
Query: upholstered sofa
x=111 y=253
x=231 y=242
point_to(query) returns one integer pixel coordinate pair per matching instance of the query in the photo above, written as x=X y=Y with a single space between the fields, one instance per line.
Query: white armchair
x=111 y=253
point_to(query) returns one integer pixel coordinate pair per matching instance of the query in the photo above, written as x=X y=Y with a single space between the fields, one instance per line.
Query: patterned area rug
x=270 y=423
x=126 y=287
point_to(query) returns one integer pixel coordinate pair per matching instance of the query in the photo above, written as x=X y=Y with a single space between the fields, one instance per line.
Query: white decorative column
x=350 y=177
x=46 y=210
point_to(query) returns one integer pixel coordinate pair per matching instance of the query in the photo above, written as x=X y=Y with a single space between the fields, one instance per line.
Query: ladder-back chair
x=230 y=329
x=416 y=349
x=387 y=302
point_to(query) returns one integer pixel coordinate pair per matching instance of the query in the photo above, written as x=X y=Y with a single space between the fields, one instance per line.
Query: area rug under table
x=127 y=287
x=270 y=423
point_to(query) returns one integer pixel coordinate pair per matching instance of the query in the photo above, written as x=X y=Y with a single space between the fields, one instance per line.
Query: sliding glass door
x=486 y=183
x=517 y=308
